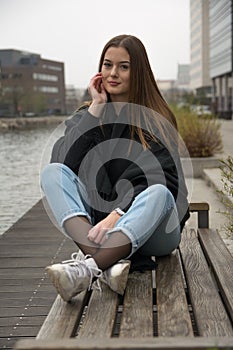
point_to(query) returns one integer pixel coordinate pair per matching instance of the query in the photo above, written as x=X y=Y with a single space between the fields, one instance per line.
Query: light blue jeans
x=151 y=223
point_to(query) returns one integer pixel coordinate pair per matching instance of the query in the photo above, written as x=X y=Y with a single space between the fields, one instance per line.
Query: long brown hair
x=143 y=88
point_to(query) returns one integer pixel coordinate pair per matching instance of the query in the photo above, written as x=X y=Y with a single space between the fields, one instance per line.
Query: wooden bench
x=187 y=303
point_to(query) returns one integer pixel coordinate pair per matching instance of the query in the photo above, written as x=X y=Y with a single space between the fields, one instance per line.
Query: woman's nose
x=114 y=71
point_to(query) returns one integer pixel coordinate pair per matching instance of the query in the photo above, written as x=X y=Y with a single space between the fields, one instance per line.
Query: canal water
x=22 y=155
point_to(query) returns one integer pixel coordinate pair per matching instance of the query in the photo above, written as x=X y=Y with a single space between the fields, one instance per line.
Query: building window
x=11 y=75
x=52 y=67
x=48 y=89
x=45 y=77
x=8 y=89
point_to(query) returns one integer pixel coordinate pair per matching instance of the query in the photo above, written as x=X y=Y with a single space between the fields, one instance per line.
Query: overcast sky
x=75 y=31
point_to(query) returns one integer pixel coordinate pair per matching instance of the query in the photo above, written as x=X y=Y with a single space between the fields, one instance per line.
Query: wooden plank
x=14 y=239
x=12 y=294
x=8 y=343
x=24 y=302
x=20 y=312
x=22 y=271
x=21 y=331
x=202 y=210
x=21 y=250
x=173 y=312
x=29 y=226
x=222 y=263
x=38 y=252
x=209 y=311
x=62 y=318
x=30 y=229
x=36 y=282
x=163 y=343
x=23 y=262
x=199 y=206
x=24 y=321
x=100 y=316
x=137 y=315
x=21 y=288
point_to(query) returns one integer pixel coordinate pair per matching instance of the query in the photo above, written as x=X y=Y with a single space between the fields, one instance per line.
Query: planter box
x=193 y=167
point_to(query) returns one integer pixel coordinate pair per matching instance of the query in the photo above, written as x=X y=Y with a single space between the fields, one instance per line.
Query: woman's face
x=116 y=74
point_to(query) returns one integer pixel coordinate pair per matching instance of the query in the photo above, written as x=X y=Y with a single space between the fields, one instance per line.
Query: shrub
x=201 y=135
x=227 y=192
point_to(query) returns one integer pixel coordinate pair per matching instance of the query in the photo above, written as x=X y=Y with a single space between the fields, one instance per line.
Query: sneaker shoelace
x=76 y=256
x=79 y=267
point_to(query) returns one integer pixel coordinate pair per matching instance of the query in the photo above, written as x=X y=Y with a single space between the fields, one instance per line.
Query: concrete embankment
x=22 y=123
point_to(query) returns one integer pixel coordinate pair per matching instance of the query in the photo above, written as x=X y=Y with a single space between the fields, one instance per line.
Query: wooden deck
x=26 y=295
x=188 y=303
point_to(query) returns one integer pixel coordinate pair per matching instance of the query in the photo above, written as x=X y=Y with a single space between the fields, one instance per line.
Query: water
x=22 y=154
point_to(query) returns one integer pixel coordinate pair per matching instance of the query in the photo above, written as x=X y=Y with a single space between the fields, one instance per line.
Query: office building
x=183 y=77
x=73 y=98
x=168 y=89
x=199 y=51
x=30 y=84
x=220 y=22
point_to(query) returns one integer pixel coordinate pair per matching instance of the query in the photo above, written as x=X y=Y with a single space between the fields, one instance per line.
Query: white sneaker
x=73 y=276
x=115 y=276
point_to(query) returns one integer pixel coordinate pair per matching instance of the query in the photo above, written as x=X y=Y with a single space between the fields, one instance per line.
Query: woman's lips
x=113 y=83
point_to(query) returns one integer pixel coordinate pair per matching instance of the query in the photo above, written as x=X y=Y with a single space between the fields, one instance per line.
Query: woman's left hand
x=98 y=232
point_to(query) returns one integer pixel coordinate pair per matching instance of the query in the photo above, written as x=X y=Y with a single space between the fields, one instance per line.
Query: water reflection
x=20 y=159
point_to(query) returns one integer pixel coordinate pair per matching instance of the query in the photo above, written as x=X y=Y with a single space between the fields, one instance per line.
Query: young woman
x=115 y=184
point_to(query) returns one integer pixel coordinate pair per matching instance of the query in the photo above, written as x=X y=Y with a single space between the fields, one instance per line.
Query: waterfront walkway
x=26 y=294
x=32 y=243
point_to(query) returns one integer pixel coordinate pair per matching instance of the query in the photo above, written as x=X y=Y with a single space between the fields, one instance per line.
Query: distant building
x=211 y=71
x=73 y=98
x=174 y=90
x=168 y=89
x=221 y=56
x=199 y=39
x=183 y=77
x=30 y=84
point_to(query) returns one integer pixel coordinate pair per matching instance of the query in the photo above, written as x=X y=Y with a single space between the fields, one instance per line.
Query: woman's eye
x=107 y=65
x=124 y=67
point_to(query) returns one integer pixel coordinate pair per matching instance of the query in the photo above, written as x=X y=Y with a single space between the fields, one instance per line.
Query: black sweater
x=113 y=168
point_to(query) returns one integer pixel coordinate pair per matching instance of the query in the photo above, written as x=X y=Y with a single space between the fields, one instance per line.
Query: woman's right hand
x=97 y=233
x=96 y=90
x=98 y=94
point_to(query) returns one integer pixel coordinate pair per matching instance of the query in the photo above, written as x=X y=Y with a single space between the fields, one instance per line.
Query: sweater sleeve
x=164 y=169
x=77 y=128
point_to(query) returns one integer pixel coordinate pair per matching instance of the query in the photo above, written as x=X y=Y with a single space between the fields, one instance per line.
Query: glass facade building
x=220 y=38
x=199 y=41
